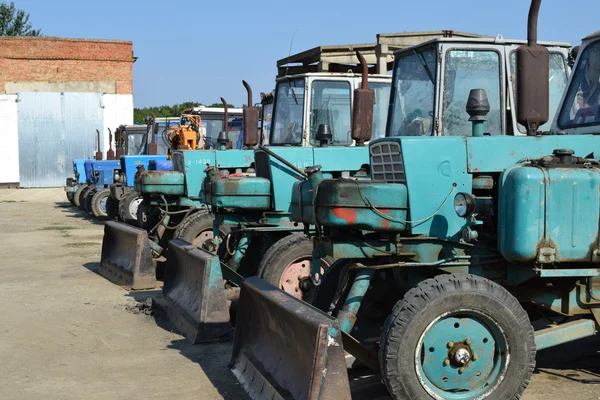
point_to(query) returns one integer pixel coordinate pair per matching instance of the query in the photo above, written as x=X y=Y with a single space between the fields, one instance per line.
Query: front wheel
x=457 y=336
x=128 y=206
x=77 y=194
x=197 y=229
x=99 y=203
x=287 y=265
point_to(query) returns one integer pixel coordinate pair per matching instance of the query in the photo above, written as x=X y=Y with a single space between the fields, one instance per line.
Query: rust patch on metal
x=344 y=213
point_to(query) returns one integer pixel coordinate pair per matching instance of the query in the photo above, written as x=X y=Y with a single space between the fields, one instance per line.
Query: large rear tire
x=287 y=265
x=197 y=229
x=457 y=336
x=99 y=203
x=77 y=196
x=128 y=206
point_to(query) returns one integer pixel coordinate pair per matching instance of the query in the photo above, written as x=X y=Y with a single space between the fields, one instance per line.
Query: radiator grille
x=386 y=162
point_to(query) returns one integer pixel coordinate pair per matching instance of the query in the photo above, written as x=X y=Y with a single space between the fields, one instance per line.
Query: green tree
x=15 y=22
x=139 y=114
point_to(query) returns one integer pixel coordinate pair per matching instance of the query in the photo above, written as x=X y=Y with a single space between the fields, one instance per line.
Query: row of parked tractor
x=410 y=226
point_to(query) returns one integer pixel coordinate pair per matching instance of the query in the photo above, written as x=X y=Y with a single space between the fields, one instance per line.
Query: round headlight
x=464 y=204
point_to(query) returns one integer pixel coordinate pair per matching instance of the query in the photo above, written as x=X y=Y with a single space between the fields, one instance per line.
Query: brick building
x=45 y=72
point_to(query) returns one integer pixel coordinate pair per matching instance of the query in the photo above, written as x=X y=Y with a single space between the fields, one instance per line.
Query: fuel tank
x=549 y=210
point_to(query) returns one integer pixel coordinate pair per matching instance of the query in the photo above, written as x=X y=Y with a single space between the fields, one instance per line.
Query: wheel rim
x=204 y=240
x=462 y=355
x=295 y=278
x=134 y=205
x=103 y=204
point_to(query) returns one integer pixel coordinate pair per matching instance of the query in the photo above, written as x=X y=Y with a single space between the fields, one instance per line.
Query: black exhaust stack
x=533 y=92
x=250 y=120
x=362 y=112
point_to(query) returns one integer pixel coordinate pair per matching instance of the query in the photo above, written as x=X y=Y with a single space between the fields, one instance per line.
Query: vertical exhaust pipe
x=362 y=112
x=223 y=138
x=250 y=120
x=532 y=86
x=152 y=146
x=110 y=154
x=99 y=152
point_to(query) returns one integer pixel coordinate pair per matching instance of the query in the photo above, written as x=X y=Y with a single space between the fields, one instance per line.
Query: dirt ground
x=67 y=333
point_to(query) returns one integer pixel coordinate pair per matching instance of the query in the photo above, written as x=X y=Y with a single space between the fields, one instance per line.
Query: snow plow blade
x=126 y=257
x=194 y=293
x=286 y=349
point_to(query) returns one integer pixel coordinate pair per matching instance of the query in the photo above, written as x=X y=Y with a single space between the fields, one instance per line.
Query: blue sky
x=200 y=50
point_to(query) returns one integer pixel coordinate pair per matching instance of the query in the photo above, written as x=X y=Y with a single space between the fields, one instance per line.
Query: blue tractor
x=73 y=183
x=470 y=228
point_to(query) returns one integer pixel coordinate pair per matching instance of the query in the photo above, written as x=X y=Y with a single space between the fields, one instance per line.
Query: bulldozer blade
x=284 y=348
x=126 y=257
x=194 y=293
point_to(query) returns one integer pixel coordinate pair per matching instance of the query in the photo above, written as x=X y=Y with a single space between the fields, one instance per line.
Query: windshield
x=380 y=109
x=558 y=83
x=330 y=105
x=466 y=70
x=288 y=113
x=581 y=106
x=135 y=144
x=211 y=129
x=412 y=98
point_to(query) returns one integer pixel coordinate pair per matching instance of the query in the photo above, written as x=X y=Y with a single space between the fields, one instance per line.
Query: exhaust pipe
x=152 y=146
x=362 y=112
x=110 y=154
x=99 y=152
x=250 y=120
x=532 y=87
x=223 y=138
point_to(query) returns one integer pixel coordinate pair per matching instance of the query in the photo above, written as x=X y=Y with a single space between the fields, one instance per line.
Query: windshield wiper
x=292 y=90
x=424 y=64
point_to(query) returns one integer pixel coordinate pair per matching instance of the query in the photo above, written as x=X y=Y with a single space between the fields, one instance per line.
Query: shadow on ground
x=71 y=211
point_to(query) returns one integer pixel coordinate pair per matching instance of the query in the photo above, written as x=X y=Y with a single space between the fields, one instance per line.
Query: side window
x=582 y=103
x=380 y=109
x=330 y=105
x=466 y=70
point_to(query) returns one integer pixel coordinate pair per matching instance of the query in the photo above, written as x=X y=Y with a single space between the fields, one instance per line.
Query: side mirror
x=532 y=88
x=250 y=120
x=362 y=112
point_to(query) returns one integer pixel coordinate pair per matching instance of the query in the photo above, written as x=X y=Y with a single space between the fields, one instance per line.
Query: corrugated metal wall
x=54 y=129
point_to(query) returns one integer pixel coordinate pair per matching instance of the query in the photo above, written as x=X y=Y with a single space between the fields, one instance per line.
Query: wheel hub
x=133 y=206
x=460 y=356
x=295 y=279
x=103 y=204
x=205 y=241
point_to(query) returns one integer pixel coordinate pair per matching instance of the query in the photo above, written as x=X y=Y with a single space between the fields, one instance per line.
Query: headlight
x=464 y=204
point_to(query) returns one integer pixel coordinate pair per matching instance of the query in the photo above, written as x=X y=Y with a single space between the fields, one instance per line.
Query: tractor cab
x=305 y=102
x=432 y=82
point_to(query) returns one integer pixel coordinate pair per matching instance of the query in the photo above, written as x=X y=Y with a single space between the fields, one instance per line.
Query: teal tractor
x=461 y=239
x=173 y=203
x=312 y=123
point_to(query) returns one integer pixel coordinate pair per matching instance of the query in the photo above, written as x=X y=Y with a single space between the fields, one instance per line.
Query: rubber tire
x=95 y=203
x=77 y=196
x=124 y=213
x=282 y=253
x=445 y=293
x=71 y=197
x=112 y=205
x=87 y=201
x=195 y=223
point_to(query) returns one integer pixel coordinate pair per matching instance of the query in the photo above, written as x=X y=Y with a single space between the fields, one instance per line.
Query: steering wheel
x=209 y=144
